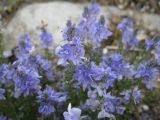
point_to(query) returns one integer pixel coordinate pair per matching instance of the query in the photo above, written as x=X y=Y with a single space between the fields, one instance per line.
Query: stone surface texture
x=29 y=20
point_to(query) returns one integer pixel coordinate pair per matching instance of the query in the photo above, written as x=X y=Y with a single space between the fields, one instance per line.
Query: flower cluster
x=100 y=85
x=48 y=98
x=28 y=75
x=46 y=38
x=128 y=34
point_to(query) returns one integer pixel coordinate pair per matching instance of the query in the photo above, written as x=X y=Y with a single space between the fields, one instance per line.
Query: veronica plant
x=101 y=86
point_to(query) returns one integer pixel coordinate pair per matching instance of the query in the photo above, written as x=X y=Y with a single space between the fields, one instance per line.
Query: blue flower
x=46 y=38
x=104 y=114
x=120 y=110
x=26 y=80
x=48 y=98
x=128 y=34
x=100 y=31
x=156 y=40
x=46 y=108
x=111 y=76
x=45 y=65
x=51 y=95
x=110 y=103
x=70 y=52
x=91 y=10
x=92 y=102
x=94 y=8
x=72 y=113
x=121 y=67
x=90 y=28
x=136 y=95
x=127 y=95
x=148 y=73
x=148 y=44
x=116 y=67
x=116 y=57
x=2 y=91
x=3 y=117
x=24 y=44
x=87 y=20
x=6 y=73
x=65 y=52
x=26 y=77
x=71 y=31
x=157 y=54
x=87 y=74
x=24 y=47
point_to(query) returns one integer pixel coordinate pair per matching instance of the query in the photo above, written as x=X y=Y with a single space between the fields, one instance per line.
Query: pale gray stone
x=28 y=19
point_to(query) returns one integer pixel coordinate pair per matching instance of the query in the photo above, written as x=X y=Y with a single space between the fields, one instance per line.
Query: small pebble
x=7 y=53
x=141 y=35
x=105 y=51
x=145 y=107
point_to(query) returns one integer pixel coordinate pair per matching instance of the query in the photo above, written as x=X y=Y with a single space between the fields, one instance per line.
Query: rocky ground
x=26 y=17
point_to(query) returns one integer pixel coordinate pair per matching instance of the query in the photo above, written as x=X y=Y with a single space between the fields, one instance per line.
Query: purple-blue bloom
x=46 y=108
x=156 y=40
x=110 y=103
x=94 y=8
x=148 y=73
x=92 y=102
x=46 y=38
x=136 y=95
x=101 y=79
x=111 y=76
x=87 y=74
x=3 y=117
x=6 y=73
x=157 y=54
x=104 y=114
x=47 y=99
x=71 y=31
x=45 y=65
x=90 y=28
x=128 y=34
x=24 y=44
x=127 y=95
x=26 y=79
x=51 y=95
x=117 y=67
x=100 y=31
x=70 y=52
x=24 y=47
x=72 y=113
x=120 y=110
x=65 y=53
x=88 y=19
x=2 y=91
x=148 y=44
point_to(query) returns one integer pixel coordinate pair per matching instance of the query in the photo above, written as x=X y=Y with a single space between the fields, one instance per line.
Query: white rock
x=7 y=53
x=141 y=35
x=29 y=18
x=145 y=107
x=56 y=14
